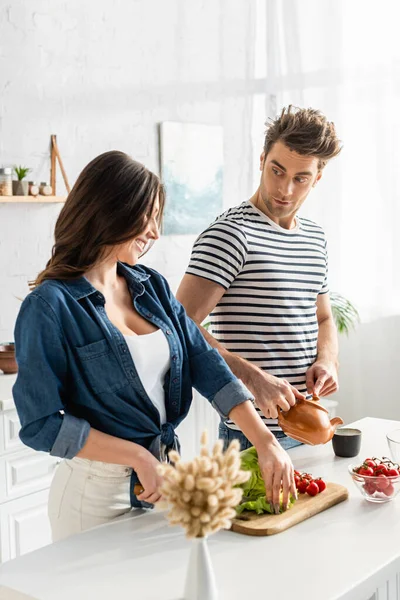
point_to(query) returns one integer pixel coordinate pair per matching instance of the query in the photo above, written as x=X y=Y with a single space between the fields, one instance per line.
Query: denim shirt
x=75 y=370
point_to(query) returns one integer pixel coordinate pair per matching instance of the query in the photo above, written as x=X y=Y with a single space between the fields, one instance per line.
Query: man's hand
x=271 y=392
x=322 y=378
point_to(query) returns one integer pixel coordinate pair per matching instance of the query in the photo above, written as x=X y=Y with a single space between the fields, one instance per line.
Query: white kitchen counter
x=346 y=552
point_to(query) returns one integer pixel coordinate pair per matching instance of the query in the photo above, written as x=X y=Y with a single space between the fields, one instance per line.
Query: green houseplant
x=20 y=187
x=344 y=313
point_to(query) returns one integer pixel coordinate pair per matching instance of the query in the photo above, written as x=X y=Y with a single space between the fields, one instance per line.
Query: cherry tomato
x=382 y=482
x=312 y=489
x=370 y=463
x=393 y=472
x=303 y=485
x=370 y=488
x=380 y=470
x=296 y=472
x=321 y=484
x=366 y=471
x=297 y=480
x=389 y=491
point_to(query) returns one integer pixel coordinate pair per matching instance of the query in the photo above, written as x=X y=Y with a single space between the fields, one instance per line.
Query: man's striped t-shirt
x=272 y=277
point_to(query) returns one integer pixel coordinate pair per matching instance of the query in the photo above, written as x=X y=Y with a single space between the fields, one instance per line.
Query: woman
x=107 y=356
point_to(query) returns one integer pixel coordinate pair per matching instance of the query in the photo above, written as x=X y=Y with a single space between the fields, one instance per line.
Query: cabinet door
x=24 y=525
x=10 y=426
x=25 y=472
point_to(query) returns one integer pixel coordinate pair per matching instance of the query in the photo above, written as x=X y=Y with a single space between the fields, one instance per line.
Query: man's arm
x=322 y=376
x=200 y=296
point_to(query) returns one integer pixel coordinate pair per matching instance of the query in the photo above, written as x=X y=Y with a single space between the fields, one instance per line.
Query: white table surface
x=345 y=552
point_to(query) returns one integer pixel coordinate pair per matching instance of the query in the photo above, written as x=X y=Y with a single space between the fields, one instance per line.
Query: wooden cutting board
x=305 y=507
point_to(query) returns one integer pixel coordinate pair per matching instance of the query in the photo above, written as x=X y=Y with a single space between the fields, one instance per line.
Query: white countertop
x=339 y=553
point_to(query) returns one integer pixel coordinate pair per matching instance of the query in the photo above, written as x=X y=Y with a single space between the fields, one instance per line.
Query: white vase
x=200 y=579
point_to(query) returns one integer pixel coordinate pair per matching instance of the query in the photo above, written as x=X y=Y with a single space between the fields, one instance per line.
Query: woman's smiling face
x=131 y=251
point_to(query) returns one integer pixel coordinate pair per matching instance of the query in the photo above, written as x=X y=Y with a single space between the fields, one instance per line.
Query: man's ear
x=262 y=159
x=318 y=177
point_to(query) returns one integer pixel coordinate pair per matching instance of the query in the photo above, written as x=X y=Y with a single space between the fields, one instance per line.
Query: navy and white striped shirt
x=272 y=277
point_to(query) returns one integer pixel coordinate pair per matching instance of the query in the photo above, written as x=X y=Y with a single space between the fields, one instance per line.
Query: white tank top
x=150 y=354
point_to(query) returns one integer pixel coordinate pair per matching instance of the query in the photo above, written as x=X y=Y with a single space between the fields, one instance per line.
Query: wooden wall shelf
x=32 y=199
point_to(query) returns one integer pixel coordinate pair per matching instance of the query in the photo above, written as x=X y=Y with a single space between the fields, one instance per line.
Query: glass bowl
x=393 y=440
x=373 y=487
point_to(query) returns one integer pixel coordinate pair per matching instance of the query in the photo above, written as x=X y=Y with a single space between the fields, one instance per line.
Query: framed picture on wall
x=191 y=165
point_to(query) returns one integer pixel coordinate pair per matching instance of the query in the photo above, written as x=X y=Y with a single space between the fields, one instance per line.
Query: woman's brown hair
x=109 y=204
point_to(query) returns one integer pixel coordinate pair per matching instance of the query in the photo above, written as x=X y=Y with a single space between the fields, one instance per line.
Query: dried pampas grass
x=201 y=495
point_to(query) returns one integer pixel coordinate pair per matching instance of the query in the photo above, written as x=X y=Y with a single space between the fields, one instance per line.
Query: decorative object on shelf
x=201 y=497
x=5 y=181
x=45 y=189
x=8 y=364
x=20 y=187
x=55 y=155
x=33 y=188
x=191 y=165
x=26 y=196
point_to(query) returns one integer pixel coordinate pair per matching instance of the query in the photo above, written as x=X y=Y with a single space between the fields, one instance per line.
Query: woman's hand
x=277 y=472
x=146 y=469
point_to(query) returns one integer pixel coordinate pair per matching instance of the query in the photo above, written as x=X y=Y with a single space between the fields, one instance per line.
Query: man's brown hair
x=306 y=131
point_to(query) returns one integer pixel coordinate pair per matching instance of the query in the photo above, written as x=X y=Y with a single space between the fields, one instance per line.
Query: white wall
x=370 y=364
x=101 y=75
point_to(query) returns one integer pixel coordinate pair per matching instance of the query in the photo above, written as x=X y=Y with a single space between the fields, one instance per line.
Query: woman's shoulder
x=48 y=290
x=48 y=295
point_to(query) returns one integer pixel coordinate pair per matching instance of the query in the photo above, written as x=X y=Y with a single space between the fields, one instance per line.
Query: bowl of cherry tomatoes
x=378 y=479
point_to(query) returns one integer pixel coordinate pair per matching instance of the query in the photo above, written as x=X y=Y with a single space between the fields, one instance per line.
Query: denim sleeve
x=211 y=376
x=40 y=389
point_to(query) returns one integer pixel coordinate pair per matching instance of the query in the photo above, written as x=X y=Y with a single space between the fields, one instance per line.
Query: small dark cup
x=346 y=442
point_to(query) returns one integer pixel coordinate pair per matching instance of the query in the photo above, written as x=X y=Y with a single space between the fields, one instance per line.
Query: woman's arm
x=275 y=464
x=40 y=389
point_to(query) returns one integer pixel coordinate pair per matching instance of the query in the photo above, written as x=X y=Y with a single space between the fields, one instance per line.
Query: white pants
x=86 y=493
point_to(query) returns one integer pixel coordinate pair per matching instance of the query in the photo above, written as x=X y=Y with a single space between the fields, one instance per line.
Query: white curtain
x=343 y=57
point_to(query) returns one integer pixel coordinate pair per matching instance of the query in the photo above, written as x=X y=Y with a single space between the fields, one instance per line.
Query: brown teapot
x=308 y=422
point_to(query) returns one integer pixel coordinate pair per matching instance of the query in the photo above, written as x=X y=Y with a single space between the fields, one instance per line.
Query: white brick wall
x=101 y=75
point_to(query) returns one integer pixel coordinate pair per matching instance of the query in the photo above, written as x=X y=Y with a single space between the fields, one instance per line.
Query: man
x=261 y=271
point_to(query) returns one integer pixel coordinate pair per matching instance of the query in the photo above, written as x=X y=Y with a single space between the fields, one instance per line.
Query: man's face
x=286 y=180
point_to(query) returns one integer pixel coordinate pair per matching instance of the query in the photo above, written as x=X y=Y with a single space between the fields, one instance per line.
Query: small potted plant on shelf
x=20 y=187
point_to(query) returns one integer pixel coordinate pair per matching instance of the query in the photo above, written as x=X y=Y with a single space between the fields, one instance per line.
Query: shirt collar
x=81 y=287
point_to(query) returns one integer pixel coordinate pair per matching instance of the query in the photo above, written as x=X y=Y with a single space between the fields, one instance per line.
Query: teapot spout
x=336 y=421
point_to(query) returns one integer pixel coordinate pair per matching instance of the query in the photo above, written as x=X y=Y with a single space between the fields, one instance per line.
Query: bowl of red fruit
x=378 y=479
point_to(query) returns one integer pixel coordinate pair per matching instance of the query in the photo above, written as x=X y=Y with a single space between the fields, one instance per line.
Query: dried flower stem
x=201 y=494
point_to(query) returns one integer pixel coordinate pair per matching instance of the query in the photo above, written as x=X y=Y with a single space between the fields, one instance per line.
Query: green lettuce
x=254 y=489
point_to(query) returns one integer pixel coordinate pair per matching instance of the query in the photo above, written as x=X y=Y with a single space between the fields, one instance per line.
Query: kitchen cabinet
x=25 y=478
